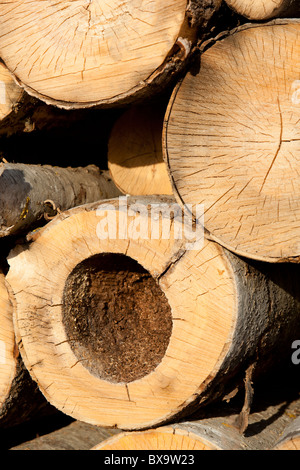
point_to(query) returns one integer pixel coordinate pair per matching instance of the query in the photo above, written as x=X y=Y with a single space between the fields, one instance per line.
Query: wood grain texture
x=264 y=9
x=290 y=438
x=225 y=315
x=135 y=158
x=29 y=193
x=82 y=53
x=231 y=140
x=10 y=93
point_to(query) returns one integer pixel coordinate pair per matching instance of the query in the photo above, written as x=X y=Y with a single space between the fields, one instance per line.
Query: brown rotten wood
x=128 y=332
x=84 y=53
x=20 y=398
x=264 y=9
x=29 y=193
x=232 y=142
x=135 y=159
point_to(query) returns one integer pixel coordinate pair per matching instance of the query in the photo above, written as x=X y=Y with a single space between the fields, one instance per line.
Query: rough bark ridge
x=265 y=9
x=91 y=43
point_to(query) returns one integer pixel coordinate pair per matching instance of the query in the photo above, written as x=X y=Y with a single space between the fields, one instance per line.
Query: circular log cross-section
x=130 y=332
x=158 y=439
x=84 y=53
x=264 y=9
x=110 y=299
x=232 y=141
x=135 y=159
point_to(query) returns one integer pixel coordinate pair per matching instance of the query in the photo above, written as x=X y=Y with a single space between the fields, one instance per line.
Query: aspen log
x=269 y=422
x=29 y=193
x=20 y=398
x=231 y=140
x=264 y=9
x=80 y=54
x=135 y=159
x=290 y=439
x=10 y=94
x=123 y=331
x=74 y=436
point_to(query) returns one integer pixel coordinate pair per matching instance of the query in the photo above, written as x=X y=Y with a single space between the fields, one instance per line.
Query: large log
x=79 y=54
x=20 y=398
x=135 y=159
x=31 y=194
x=272 y=415
x=11 y=95
x=290 y=438
x=128 y=332
x=264 y=9
x=231 y=140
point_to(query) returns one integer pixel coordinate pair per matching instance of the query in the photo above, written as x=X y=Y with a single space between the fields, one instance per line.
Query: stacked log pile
x=153 y=278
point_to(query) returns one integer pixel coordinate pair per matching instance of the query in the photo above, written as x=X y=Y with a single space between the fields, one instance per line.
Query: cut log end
x=159 y=439
x=124 y=325
x=231 y=140
x=97 y=53
x=116 y=317
x=263 y=9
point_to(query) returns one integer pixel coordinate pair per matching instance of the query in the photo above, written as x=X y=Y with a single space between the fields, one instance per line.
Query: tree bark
x=231 y=140
x=90 y=53
x=290 y=439
x=75 y=436
x=128 y=332
x=31 y=193
x=264 y=9
x=20 y=398
x=135 y=158
x=216 y=431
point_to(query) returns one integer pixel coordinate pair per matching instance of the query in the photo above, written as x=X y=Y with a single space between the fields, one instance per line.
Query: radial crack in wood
x=80 y=54
x=31 y=194
x=129 y=331
x=231 y=140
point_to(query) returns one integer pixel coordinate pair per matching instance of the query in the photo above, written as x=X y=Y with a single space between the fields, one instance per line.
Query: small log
x=290 y=439
x=264 y=9
x=135 y=159
x=20 y=398
x=231 y=134
x=123 y=331
x=93 y=53
x=31 y=193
